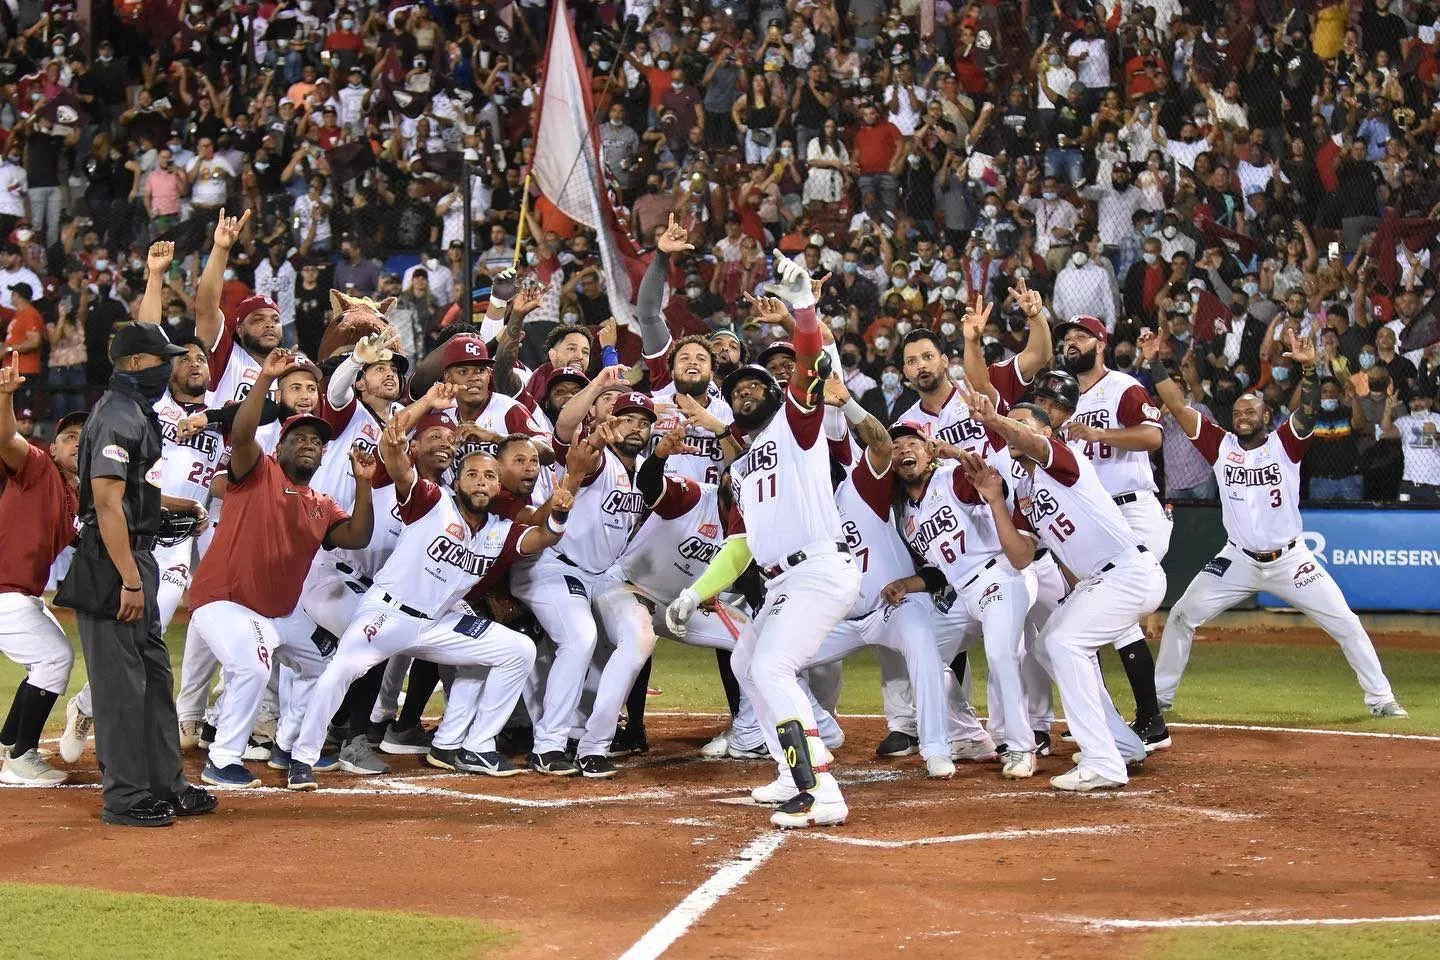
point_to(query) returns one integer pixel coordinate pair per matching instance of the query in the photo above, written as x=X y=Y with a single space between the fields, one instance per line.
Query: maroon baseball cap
x=250 y=304
x=307 y=420
x=1091 y=325
x=573 y=374
x=907 y=429
x=779 y=346
x=632 y=401
x=465 y=349
x=24 y=413
x=431 y=420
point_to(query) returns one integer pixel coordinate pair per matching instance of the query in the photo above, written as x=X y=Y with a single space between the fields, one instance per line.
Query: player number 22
x=201 y=474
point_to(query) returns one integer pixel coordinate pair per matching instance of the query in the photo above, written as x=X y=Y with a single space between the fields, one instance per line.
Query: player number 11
x=760 y=488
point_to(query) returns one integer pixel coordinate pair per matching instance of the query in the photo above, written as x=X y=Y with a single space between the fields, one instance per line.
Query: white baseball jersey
x=368 y=560
x=864 y=500
x=1259 y=488
x=702 y=467
x=232 y=370
x=951 y=526
x=438 y=558
x=187 y=466
x=782 y=486
x=677 y=541
x=606 y=512
x=952 y=424
x=1117 y=400
x=502 y=415
x=1064 y=504
x=354 y=425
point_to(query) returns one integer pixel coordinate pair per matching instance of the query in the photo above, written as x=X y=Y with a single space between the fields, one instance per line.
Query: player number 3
x=1275 y=496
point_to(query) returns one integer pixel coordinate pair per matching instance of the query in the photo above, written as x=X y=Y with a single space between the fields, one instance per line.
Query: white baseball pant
x=802 y=606
x=32 y=637
x=176 y=566
x=247 y=644
x=1050 y=588
x=1298 y=578
x=995 y=603
x=480 y=701
x=561 y=597
x=1099 y=609
x=1146 y=518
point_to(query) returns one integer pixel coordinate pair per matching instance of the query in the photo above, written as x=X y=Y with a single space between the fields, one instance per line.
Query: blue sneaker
x=301 y=777
x=328 y=763
x=236 y=775
x=279 y=758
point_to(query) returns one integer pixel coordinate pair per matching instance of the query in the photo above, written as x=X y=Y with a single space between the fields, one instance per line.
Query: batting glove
x=793 y=284
x=678 y=614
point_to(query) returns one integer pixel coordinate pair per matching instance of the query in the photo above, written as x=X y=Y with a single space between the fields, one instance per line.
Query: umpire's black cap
x=135 y=338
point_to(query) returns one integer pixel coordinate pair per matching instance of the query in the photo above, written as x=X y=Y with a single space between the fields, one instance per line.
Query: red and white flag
x=568 y=169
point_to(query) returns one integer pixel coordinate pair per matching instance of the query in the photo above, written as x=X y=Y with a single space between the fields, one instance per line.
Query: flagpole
x=520 y=231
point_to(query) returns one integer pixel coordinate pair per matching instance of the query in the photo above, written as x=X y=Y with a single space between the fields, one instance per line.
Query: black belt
x=993 y=561
x=349 y=571
x=1041 y=553
x=797 y=558
x=411 y=611
x=1125 y=498
x=1110 y=566
x=1269 y=556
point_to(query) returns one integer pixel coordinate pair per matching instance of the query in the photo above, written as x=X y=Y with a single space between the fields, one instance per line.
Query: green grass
x=117 y=926
x=1380 y=941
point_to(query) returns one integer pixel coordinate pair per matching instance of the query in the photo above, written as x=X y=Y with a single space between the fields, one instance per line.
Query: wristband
x=554 y=527
x=560 y=516
x=854 y=413
x=1158 y=369
x=934 y=579
x=132 y=589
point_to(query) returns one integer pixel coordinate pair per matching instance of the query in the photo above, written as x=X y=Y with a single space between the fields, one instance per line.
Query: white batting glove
x=793 y=284
x=678 y=614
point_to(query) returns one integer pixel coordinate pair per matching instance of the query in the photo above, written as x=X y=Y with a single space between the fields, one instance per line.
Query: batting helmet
x=751 y=372
x=1059 y=386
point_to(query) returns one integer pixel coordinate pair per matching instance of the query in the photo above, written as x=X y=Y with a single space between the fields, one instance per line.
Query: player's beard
x=474 y=502
x=252 y=345
x=758 y=417
x=632 y=444
x=1081 y=363
x=928 y=380
x=695 y=388
x=723 y=368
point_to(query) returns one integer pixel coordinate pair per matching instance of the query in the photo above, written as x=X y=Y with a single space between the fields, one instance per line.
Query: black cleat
x=897 y=744
x=1153 y=731
x=149 y=812
x=553 y=763
x=193 y=801
x=1042 y=743
x=625 y=743
x=597 y=767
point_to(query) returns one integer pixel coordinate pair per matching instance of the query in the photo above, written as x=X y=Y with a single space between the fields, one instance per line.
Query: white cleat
x=779 y=790
x=1391 y=709
x=77 y=730
x=190 y=733
x=939 y=768
x=806 y=810
x=30 y=770
x=1083 y=781
x=979 y=750
x=717 y=747
x=1018 y=765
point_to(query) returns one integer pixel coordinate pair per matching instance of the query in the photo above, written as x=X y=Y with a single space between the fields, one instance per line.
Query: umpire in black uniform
x=112 y=586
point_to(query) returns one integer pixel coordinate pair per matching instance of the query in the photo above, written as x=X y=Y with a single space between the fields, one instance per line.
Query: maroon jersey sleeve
x=220 y=351
x=735 y=523
x=1061 y=464
x=876 y=491
x=1135 y=408
x=805 y=422
x=964 y=489
x=338 y=419
x=517 y=420
x=1208 y=440
x=1294 y=444
x=1005 y=378
x=658 y=366
x=36 y=467
x=678 y=498
x=506 y=504
x=423 y=498
x=1022 y=522
x=840 y=450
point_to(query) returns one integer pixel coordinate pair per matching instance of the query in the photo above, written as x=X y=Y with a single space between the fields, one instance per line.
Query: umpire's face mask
x=150 y=383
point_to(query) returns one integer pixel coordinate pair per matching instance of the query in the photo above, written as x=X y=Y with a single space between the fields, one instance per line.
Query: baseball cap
x=23 y=289
x=573 y=374
x=137 y=338
x=632 y=401
x=75 y=419
x=780 y=346
x=307 y=420
x=906 y=429
x=250 y=304
x=300 y=362
x=24 y=413
x=433 y=420
x=465 y=349
x=1091 y=325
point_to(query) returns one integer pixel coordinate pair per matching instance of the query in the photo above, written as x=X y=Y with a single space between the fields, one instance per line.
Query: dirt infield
x=1230 y=824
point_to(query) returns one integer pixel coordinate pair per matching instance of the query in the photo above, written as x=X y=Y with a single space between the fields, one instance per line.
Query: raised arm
x=354 y=533
x=208 y=319
x=1169 y=391
x=976 y=373
x=157 y=261
x=654 y=334
x=245 y=452
x=1039 y=348
x=1019 y=549
x=1020 y=438
x=1302 y=351
x=795 y=288
x=577 y=408
x=879 y=448
x=14 y=450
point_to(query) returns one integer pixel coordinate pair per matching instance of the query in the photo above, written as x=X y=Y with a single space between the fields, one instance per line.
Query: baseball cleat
x=736 y=752
x=1083 y=781
x=77 y=730
x=979 y=750
x=189 y=732
x=1078 y=758
x=301 y=777
x=597 y=767
x=939 y=768
x=897 y=744
x=489 y=764
x=30 y=770
x=235 y=775
x=1153 y=731
x=359 y=757
x=625 y=743
x=414 y=742
x=255 y=750
x=1391 y=709
x=207 y=736
x=1042 y=743
x=717 y=747
x=553 y=763
x=1018 y=764
x=442 y=759
x=279 y=758
x=805 y=810
x=779 y=790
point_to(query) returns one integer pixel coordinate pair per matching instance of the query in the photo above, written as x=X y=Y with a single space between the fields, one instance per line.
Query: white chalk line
x=1204 y=922
x=962 y=837
x=730 y=875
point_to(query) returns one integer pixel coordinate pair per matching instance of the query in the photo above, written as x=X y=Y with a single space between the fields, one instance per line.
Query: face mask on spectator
x=58 y=49
x=105 y=58
x=662 y=64
x=24 y=235
x=777 y=332
x=890 y=380
x=816 y=238
x=1079 y=258
x=1170 y=231
x=305 y=6
x=948 y=293
x=1149 y=257
x=531 y=257
x=347 y=24
x=1049 y=194
x=904 y=327
x=1329 y=404
x=977 y=253
x=956 y=371
x=837 y=324
x=913 y=160
x=882 y=344
x=1242 y=378
x=1250 y=287
x=1367 y=360
x=694 y=292
x=991 y=211
x=849 y=266
x=864 y=83
x=1281 y=374
x=947 y=329
x=1054 y=59
x=899 y=283
x=229 y=273
x=1143 y=116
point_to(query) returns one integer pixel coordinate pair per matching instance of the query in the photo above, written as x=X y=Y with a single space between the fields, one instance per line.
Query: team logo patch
x=1303 y=569
x=575 y=586
x=472 y=626
x=115 y=452
x=991 y=594
x=372 y=629
x=263 y=656
x=1217 y=567
x=1235 y=456
x=325 y=642
x=1151 y=413
x=710 y=530
x=456 y=531
x=1307 y=573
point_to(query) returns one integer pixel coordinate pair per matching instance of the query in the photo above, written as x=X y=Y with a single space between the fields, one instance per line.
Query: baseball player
x=1259 y=475
x=451 y=543
x=948 y=520
x=248 y=583
x=1113 y=424
x=1063 y=503
x=483 y=415
x=38 y=503
x=782 y=492
x=254 y=330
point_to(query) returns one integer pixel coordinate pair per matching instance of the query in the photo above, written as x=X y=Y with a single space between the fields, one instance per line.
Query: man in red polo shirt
x=37 y=521
x=248 y=584
x=876 y=144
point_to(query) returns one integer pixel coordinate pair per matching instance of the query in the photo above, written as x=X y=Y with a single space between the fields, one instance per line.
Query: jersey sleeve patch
x=1135 y=408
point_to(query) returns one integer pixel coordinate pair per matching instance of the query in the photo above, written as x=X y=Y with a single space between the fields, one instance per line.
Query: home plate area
x=1230 y=826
